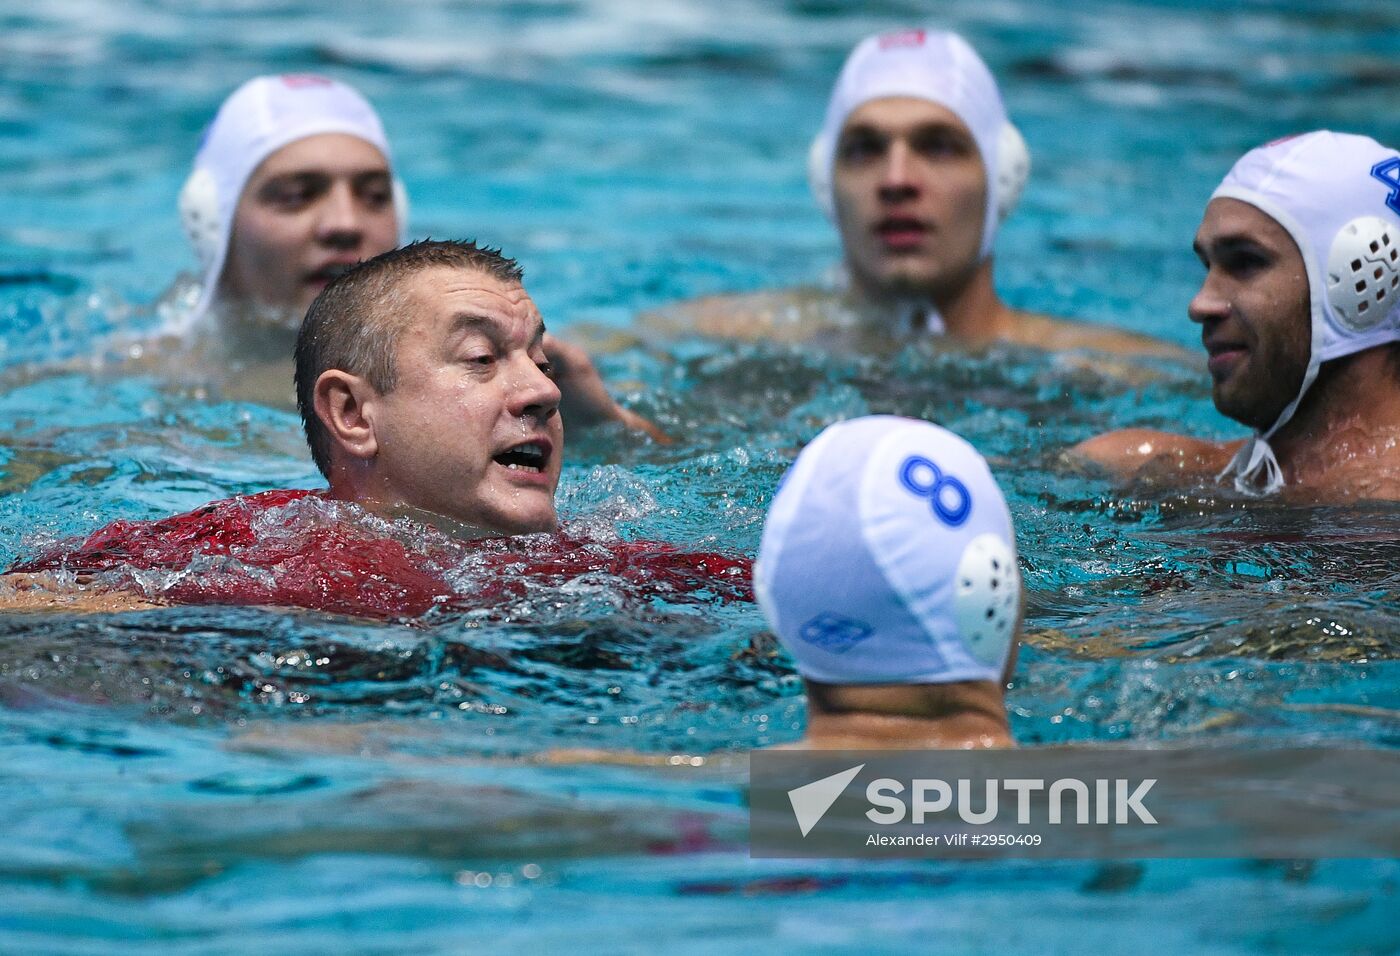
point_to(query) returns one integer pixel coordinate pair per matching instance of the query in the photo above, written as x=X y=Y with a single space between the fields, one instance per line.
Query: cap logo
x=834 y=633
x=1388 y=172
x=296 y=81
x=949 y=498
x=905 y=38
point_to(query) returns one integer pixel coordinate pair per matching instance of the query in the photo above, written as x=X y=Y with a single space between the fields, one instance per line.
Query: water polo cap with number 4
x=1338 y=196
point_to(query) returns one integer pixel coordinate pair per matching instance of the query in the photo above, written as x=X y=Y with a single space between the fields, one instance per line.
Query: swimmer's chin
x=244 y=316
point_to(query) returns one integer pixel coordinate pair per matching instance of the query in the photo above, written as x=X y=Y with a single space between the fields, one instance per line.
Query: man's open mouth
x=901 y=233
x=900 y=224
x=530 y=456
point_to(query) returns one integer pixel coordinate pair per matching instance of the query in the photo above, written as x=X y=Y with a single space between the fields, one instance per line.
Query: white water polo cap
x=888 y=557
x=260 y=117
x=1338 y=196
x=940 y=67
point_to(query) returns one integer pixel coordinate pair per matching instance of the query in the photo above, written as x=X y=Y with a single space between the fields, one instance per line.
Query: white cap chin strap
x=1256 y=469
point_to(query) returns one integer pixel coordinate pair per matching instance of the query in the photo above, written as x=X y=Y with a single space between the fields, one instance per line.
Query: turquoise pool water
x=218 y=779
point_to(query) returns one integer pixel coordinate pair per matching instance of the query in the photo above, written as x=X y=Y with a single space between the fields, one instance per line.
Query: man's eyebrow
x=313 y=176
x=1232 y=243
x=464 y=322
x=940 y=126
x=492 y=328
x=300 y=177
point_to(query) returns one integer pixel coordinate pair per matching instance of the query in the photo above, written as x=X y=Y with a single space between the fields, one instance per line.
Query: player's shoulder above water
x=1139 y=452
x=1064 y=335
x=772 y=315
x=800 y=314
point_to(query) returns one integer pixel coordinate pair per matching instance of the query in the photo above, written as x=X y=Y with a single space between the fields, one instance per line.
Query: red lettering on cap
x=296 y=81
x=1282 y=139
x=905 y=38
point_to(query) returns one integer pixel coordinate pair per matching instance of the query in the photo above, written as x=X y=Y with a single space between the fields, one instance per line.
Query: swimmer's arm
x=1121 y=342
x=584 y=397
x=1054 y=334
x=44 y=592
x=382 y=738
x=784 y=315
x=713 y=316
x=1138 y=452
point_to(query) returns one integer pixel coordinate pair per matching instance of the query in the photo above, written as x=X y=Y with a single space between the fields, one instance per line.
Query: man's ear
x=345 y=405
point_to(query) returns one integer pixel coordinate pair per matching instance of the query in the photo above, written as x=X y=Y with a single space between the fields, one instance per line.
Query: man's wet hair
x=355 y=322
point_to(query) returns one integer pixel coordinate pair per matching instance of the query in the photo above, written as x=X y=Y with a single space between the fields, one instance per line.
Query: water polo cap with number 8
x=888 y=557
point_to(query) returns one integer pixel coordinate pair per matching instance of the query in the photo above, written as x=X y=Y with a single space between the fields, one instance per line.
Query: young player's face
x=311 y=210
x=910 y=193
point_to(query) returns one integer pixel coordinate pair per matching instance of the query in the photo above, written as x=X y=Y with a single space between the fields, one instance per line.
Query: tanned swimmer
x=1300 y=316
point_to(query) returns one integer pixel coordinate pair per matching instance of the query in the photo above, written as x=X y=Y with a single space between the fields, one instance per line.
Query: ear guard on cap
x=401 y=208
x=199 y=214
x=1013 y=171
x=819 y=176
x=988 y=598
x=1363 y=273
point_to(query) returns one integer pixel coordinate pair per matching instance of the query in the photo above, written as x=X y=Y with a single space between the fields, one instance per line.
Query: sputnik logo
x=811 y=801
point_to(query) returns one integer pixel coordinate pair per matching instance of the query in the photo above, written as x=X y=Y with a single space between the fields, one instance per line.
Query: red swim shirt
x=300 y=549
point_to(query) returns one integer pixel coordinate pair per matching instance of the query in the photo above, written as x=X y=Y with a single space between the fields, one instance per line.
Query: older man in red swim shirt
x=424 y=387
x=426 y=393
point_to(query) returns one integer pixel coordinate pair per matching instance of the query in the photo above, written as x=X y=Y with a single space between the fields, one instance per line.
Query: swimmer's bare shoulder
x=801 y=314
x=775 y=315
x=1145 y=452
x=45 y=592
x=1064 y=335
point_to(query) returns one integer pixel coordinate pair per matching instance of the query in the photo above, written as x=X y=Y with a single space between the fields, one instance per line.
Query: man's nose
x=533 y=393
x=1210 y=301
x=899 y=181
x=341 y=222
